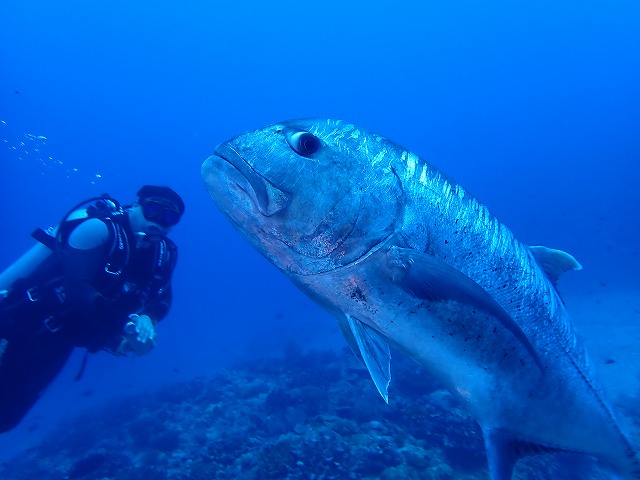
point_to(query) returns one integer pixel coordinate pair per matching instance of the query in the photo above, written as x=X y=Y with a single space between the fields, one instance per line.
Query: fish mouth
x=268 y=198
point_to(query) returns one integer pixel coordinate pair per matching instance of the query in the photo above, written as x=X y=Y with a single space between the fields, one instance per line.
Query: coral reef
x=305 y=416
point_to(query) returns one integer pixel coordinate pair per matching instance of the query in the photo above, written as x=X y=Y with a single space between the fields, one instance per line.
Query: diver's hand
x=144 y=328
x=139 y=335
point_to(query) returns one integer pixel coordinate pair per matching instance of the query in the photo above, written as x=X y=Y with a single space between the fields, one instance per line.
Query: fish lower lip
x=239 y=171
x=236 y=176
x=267 y=198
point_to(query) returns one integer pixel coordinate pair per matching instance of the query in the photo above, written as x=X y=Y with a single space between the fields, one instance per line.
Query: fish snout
x=266 y=197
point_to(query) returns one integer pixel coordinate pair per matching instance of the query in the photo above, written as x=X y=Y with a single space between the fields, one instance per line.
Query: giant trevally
x=404 y=257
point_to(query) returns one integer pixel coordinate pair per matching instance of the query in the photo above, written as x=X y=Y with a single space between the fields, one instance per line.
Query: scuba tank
x=25 y=267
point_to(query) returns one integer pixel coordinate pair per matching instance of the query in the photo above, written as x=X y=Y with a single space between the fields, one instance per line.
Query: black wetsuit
x=77 y=298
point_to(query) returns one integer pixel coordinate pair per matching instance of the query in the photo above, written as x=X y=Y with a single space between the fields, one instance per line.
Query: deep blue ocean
x=534 y=107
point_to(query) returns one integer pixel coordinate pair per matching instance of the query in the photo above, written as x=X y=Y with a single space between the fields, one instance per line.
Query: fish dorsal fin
x=503 y=451
x=554 y=262
x=375 y=353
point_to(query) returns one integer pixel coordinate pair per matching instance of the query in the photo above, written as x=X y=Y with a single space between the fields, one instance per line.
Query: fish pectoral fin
x=347 y=332
x=428 y=278
x=374 y=352
x=554 y=262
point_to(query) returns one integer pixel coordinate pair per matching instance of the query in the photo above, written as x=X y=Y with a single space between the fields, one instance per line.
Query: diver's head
x=157 y=209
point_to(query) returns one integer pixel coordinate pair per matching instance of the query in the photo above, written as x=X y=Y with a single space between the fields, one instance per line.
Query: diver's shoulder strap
x=119 y=253
x=164 y=262
x=103 y=207
x=110 y=212
x=169 y=257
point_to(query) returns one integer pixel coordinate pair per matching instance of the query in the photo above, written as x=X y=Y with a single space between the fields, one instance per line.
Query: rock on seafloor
x=313 y=415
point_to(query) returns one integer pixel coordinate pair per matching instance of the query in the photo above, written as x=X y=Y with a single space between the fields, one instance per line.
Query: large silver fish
x=404 y=257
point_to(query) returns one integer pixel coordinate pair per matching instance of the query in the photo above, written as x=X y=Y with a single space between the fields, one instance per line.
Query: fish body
x=405 y=258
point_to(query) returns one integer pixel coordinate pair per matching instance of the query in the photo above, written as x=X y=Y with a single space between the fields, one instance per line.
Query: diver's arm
x=159 y=308
x=89 y=235
x=83 y=258
x=93 y=317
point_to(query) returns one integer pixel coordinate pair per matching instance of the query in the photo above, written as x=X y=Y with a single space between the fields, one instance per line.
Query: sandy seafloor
x=312 y=415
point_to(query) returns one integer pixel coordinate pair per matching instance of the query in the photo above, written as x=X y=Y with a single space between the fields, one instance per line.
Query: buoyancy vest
x=115 y=279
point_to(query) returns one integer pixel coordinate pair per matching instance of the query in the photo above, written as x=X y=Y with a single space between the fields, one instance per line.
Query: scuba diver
x=101 y=280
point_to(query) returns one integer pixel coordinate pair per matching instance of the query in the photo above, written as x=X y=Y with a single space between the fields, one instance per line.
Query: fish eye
x=304 y=143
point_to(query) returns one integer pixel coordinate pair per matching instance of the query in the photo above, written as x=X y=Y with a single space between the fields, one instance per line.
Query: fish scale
x=477 y=221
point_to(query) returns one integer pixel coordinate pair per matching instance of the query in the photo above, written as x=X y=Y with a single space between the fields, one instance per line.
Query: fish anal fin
x=503 y=451
x=500 y=455
x=374 y=351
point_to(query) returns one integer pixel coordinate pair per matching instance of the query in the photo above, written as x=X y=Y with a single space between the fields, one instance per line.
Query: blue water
x=533 y=107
